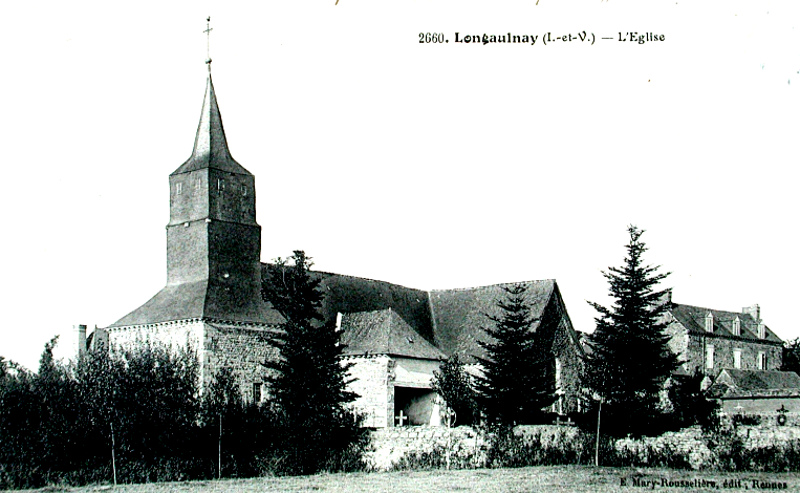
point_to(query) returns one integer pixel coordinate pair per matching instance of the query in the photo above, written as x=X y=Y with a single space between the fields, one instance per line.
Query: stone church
x=395 y=336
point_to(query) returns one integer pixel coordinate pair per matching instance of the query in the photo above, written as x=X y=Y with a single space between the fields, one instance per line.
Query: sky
x=428 y=165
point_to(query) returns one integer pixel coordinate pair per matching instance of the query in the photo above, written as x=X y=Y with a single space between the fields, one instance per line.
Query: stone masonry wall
x=242 y=348
x=372 y=384
x=691 y=348
x=184 y=335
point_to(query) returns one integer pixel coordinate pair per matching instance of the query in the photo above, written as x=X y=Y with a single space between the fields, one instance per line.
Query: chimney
x=754 y=311
x=79 y=338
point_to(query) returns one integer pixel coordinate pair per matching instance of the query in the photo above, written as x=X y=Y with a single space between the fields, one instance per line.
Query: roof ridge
x=714 y=309
x=487 y=286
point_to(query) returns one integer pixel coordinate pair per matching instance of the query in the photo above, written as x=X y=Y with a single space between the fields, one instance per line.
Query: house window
x=710 y=356
x=220 y=184
x=762 y=361
x=244 y=190
x=710 y=322
x=762 y=331
x=737 y=358
x=178 y=188
x=737 y=327
x=257 y=392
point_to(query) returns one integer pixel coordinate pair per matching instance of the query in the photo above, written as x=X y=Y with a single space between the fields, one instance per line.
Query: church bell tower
x=212 y=235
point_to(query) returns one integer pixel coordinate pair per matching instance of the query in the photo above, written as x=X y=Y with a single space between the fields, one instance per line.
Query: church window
x=178 y=188
x=710 y=356
x=558 y=373
x=737 y=358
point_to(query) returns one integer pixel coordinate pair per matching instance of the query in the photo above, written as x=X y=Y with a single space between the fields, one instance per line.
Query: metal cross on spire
x=208 y=42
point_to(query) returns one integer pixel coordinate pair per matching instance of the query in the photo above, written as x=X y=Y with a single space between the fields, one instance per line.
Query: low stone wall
x=390 y=445
x=688 y=448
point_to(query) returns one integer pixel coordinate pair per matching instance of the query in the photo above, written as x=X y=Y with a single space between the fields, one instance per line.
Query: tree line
x=628 y=369
x=138 y=414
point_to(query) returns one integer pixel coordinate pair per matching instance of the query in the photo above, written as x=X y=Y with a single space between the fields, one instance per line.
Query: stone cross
x=401 y=418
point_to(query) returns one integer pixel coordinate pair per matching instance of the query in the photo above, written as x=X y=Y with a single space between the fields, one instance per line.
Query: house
x=712 y=340
x=395 y=336
x=770 y=393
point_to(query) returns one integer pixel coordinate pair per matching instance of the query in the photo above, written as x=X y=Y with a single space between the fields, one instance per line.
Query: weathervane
x=208 y=42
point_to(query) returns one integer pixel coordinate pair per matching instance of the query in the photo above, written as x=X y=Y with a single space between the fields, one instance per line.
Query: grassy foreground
x=529 y=479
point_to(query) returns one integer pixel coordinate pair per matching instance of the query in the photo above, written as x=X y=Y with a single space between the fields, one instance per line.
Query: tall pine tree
x=516 y=383
x=629 y=359
x=307 y=382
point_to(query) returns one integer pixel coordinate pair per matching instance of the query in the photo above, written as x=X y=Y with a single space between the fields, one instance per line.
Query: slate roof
x=693 y=318
x=198 y=300
x=384 y=318
x=210 y=145
x=385 y=332
x=459 y=314
x=732 y=383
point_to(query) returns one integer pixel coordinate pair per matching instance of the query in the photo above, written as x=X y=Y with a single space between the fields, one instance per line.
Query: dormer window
x=710 y=322
x=762 y=331
x=737 y=327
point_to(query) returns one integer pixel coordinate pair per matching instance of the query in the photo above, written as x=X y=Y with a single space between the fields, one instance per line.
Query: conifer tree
x=307 y=382
x=629 y=359
x=516 y=383
x=454 y=384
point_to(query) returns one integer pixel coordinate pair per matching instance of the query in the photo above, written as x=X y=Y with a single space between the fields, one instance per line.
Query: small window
x=257 y=392
x=178 y=188
x=737 y=358
x=710 y=357
x=220 y=184
x=558 y=373
x=762 y=361
x=244 y=190
x=737 y=327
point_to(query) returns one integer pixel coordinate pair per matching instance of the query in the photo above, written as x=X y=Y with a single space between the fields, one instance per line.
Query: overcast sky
x=427 y=165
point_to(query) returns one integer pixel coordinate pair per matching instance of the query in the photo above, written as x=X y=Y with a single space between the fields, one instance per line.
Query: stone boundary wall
x=688 y=447
x=389 y=445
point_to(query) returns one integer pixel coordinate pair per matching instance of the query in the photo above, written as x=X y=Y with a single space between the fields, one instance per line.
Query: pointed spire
x=210 y=145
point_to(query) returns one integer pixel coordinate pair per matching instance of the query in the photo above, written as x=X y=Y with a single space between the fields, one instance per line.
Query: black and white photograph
x=525 y=245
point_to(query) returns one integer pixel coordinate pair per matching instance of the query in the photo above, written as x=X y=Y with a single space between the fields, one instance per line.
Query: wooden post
x=113 y=455
x=597 y=442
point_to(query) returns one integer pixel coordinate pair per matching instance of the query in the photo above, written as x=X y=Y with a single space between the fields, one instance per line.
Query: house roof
x=459 y=315
x=693 y=318
x=210 y=145
x=732 y=383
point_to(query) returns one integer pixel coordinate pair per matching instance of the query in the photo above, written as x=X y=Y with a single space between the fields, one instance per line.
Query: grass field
x=555 y=479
